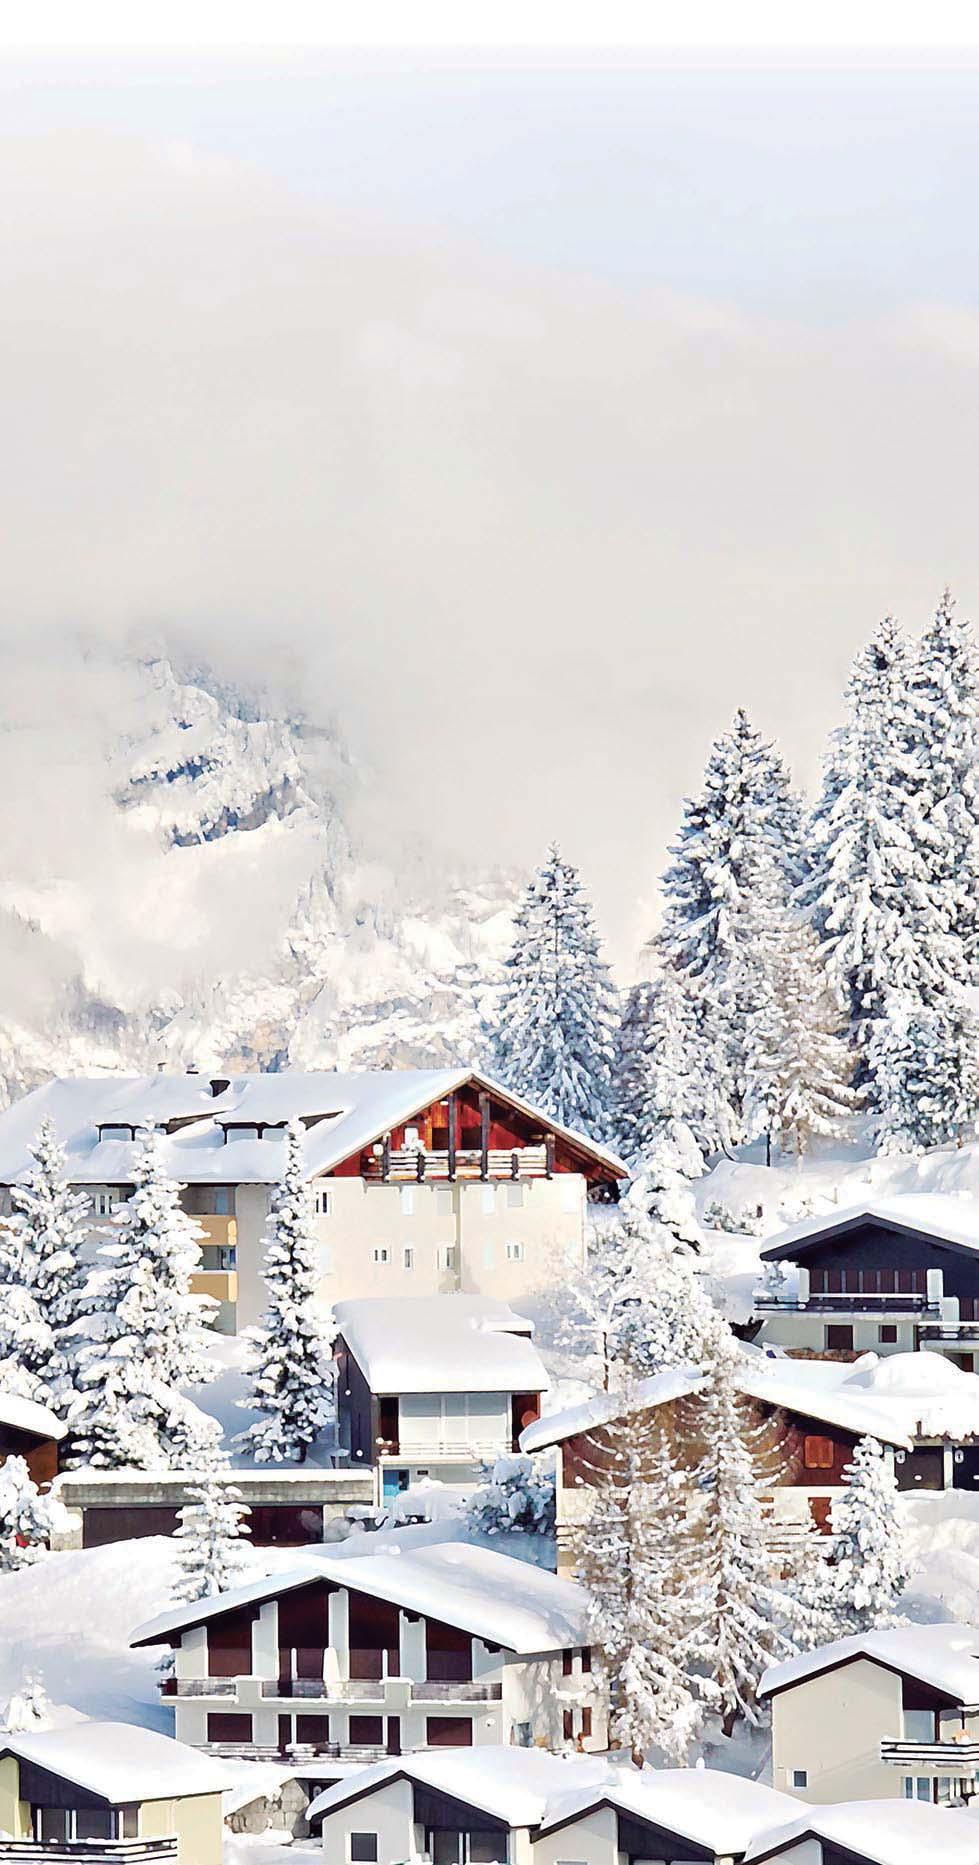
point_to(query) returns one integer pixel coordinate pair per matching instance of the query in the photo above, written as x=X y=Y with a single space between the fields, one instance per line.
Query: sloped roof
x=785 y=1383
x=880 y=1832
x=950 y=1220
x=120 y=1762
x=505 y=1601
x=946 y=1657
x=440 y=1343
x=349 y=1112
x=528 y=1788
x=27 y=1415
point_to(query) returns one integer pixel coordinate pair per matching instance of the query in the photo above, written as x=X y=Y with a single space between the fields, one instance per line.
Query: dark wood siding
x=873 y=1246
x=229 y=1643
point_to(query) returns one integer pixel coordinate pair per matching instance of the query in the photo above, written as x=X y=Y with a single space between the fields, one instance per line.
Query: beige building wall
x=15 y=1814
x=389 y=1814
x=588 y=1841
x=196 y=1821
x=832 y=1726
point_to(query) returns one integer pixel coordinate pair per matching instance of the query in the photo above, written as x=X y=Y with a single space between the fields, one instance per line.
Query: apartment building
x=423 y=1181
x=887 y=1275
x=514 y=1807
x=354 y=1656
x=433 y=1387
x=888 y=1715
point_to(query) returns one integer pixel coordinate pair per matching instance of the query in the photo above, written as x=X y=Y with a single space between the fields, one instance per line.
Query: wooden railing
x=412 y=1164
x=93 y=1851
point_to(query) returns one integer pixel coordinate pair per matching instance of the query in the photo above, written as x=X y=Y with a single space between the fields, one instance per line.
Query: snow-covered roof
x=951 y=1219
x=507 y=1602
x=946 y=1657
x=26 y=1415
x=440 y=1343
x=120 y=1762
x=796 y=1385
x=880 y=1832
x=347 y=1112
x=529 y=1788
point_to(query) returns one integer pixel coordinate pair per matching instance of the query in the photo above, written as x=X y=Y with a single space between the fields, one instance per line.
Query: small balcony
x=819 y=1303
x=478 y=1691
x=199 y=1687
x=450 y=1450
x=944 y=1757
x=413 y=1165
x=294 y=1752
x=338 y=1690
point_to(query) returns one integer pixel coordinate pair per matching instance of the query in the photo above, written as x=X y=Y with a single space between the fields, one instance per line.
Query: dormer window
x=117 y=1133
x=240 y=1133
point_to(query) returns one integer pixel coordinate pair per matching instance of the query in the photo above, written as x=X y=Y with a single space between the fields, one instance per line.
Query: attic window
x=818 y=1453
x=117 y=1133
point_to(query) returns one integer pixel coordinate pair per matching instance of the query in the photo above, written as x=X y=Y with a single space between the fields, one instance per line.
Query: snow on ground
x=272 y=1848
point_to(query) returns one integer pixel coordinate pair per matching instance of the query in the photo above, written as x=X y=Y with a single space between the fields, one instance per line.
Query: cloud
x=530 y=539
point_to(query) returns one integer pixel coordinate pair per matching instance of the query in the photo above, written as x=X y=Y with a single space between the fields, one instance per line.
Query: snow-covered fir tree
x=42 y=1275
x=211 y=1528
x=738 y=1609
x=143 y=1335
x=925 y=1064
x=292 y=1379
x=744 y=815
x=27 y=1519
x=659 y=1082
x=633 y=1559
x=515 y=1496
x=29 y=1709
x=556 y=1020
x=665 y=1316
x=870 y=1564
x=797 y=1066
x=945 y=695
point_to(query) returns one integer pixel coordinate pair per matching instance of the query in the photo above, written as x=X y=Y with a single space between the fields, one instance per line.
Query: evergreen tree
x=516 y=1495
x=744 y=816
x=660 y=1088
x=291 y=1365
x=556 y=1021
x=212 y=1522
x=27 y=1519
x=738 y=1609
x=632 y=1558
x=870 y=1566
x=945 y=695
x=143 y=1334
x=925 y=1065
x=42 y=1275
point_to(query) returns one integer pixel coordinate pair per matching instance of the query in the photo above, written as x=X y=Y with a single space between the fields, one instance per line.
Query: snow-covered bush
x=292 y=1370
x=27 y=1519
x=516 y=1496
x=28 y=1709
x=739 y=1220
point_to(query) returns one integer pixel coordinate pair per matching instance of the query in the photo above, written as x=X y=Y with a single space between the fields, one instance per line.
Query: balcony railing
x=298 y=1751
x=488 y=1691
x=198 y=1687
x=406 y=1164
x=94 y=1851
x=945 y=1757
x=464 y=1450
x=950 y=1330
x=818 y=1303
x=341 y=1690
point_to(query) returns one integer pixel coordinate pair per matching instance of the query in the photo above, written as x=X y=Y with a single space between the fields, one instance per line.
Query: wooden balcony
x=94 y=1851
x=220 y=1284
x=843 y=1304
x=408 y=1165
x=944 y=1757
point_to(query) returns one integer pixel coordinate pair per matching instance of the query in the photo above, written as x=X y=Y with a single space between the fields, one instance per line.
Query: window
x=409 y=1256
x=918 y=1787
x=446 y=1256
x=487 y=1256
x=570 y=1195
x=227 y=1726
x=366 y=1731
x=514 y=1253
x=586 y=1659
x=443 y=1202
x=489 y=1200
x=382 y=1255
x=407 y=1201
x=567 y=1720
x=887 y=1334
x=586 y=1720
x=567 y=1663
x=363 y=1849
x=103 y=1202
x=817 y=1453
x=321 y=1201
x=514 y=1197
x=448 y=1732
x=800 y=1777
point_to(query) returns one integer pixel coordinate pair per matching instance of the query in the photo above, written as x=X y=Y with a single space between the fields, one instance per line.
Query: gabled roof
x=348 y=1112
x=788 y=1384
x=531 y=1789
x=950 y=1221
x=119 y=1762
x=440 y=1343
x=945 y=1657
x=879 y=1832
x=494 y=1597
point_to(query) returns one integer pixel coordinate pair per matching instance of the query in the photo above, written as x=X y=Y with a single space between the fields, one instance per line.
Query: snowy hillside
x=228 y=914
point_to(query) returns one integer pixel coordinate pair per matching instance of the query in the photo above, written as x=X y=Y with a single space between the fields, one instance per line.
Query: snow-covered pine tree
x=556 y=1019
x=797 y=1067
x=27 y=1519
x=291 y=1363
x=925 y=1065
x=143 y=1334
x=869 y=1563
x=212 y=1523
x=870 y=890
x=42 y=1275
x=632 y=1556
x=515 y=1496
x=665 y=1315
x=945 y=696
x=29 y=1709
x=738 y=1609
x=659 y=1084
x=744 y=813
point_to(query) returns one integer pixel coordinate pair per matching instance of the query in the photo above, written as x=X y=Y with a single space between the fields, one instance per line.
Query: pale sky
x=527 y=411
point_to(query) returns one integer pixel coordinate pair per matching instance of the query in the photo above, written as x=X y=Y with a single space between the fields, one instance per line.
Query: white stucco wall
x=832 y=1726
